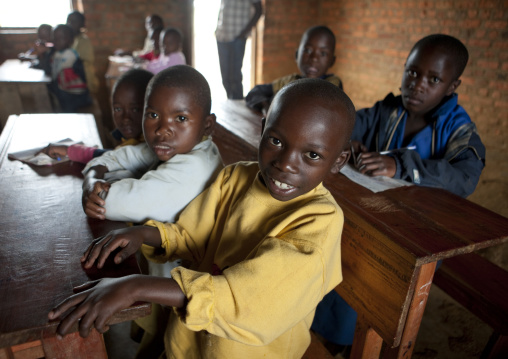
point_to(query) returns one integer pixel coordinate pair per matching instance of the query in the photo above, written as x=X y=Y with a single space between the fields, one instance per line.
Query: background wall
x=373 y=41
x=374 y=38
x=113 y=24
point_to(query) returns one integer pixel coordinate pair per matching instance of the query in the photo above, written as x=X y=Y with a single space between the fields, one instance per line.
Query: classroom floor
x=448 y=331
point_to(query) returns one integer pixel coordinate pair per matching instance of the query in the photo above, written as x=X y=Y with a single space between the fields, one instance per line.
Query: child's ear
x=455 y=84
x=209 y=124
x=341 y=161
x=333 y=61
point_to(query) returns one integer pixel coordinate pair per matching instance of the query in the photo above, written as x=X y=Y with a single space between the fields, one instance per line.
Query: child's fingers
x=85 y=286
x=68 y=303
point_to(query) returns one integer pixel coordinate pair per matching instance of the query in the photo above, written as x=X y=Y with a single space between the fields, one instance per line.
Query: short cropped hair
x=66 y=29
x=80 y=16
x=184 y=76
x=173 y=30
x=44 y=27
x=452 y=46
x=320 y=29
x=138 y=77
x=322 y=90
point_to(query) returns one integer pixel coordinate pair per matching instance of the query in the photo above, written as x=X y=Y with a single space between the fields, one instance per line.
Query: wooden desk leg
x=73 y=346
x=423 y=281
x=366 y=342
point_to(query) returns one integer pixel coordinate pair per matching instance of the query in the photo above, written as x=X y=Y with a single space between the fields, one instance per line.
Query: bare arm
x=99 y=300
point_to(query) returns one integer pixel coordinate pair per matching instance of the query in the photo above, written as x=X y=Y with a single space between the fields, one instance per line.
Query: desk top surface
x=426 y=224
x=19 y=71
x=43 y=229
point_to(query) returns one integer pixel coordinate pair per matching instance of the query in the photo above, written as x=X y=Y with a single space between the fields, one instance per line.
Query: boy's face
x=44 y=35
x=315 y=54
x=170 y=43
x=62 y=40
x=301 y=143
x=128 y=100
x=174 y=122
x=429 y=76
x=75 y=23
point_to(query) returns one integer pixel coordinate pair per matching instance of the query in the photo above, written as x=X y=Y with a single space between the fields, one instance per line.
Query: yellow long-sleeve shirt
x=260 y=267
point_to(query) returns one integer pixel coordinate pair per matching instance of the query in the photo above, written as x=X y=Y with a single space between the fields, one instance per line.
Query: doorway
x=206 y=59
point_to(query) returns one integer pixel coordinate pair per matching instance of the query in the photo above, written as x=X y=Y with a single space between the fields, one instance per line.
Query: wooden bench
x=316 y=349
x=482 y=288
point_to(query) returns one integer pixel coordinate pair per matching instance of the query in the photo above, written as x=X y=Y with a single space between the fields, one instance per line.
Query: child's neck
x=414 y=124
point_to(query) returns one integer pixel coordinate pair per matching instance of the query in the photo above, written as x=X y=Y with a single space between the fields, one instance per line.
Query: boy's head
x=432 y=72
x=76 y=21
x=153 y=22
x=44 y=33
x=316 y=53
x=127 y=101
x=171 y=40
x=306 y=136
x=177 y=111
x=63 y=37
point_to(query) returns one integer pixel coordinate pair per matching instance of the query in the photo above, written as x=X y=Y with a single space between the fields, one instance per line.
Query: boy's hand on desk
x=93 y=199
x=55 y=151
x=95 y=303
x=374 y=164
x=129 y=239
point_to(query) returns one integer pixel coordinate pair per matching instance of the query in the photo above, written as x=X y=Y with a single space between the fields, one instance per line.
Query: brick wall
x=114 y=24
x=373 y=41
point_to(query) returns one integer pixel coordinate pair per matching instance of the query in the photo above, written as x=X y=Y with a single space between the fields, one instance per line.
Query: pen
x=397 y=150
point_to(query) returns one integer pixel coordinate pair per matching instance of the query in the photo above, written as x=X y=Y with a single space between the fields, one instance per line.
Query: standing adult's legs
x=231 y=60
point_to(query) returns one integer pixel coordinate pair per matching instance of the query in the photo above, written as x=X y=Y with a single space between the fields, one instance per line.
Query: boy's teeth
x=282 y=185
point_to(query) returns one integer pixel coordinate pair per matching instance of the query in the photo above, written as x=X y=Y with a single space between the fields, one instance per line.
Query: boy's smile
x=428 y=78
x=315 y=55
x=298 y=148
x=174 y=122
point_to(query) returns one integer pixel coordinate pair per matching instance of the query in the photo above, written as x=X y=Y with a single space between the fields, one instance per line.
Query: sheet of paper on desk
x=375 y=184
x=33 y=156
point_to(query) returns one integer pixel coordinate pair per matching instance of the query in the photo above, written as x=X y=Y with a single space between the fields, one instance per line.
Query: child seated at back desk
x=170 y=51
x=127 y=102
x=68 y=76
x=84 y=48
x=448 y=152
x=263 y=239
x=155 y=52
x=314 y=56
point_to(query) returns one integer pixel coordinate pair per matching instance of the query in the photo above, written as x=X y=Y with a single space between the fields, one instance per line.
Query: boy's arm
x=128 y=239
x=99 y=300
x=459 y=174
x=258 y=10
x=161 y=194
x=278 y=285
x=93 y=186
x=259 y=97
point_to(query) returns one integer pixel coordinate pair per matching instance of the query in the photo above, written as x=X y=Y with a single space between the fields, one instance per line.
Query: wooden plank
x=367 y=343
x=73 y=346
x=44 y=230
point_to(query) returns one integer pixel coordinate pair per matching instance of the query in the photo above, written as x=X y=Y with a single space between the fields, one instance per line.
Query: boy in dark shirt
x=315 y=55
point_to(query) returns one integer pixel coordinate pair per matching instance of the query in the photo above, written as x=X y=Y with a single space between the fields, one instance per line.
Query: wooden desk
x=43 y=232
x=22 y=90
x=390 y=244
